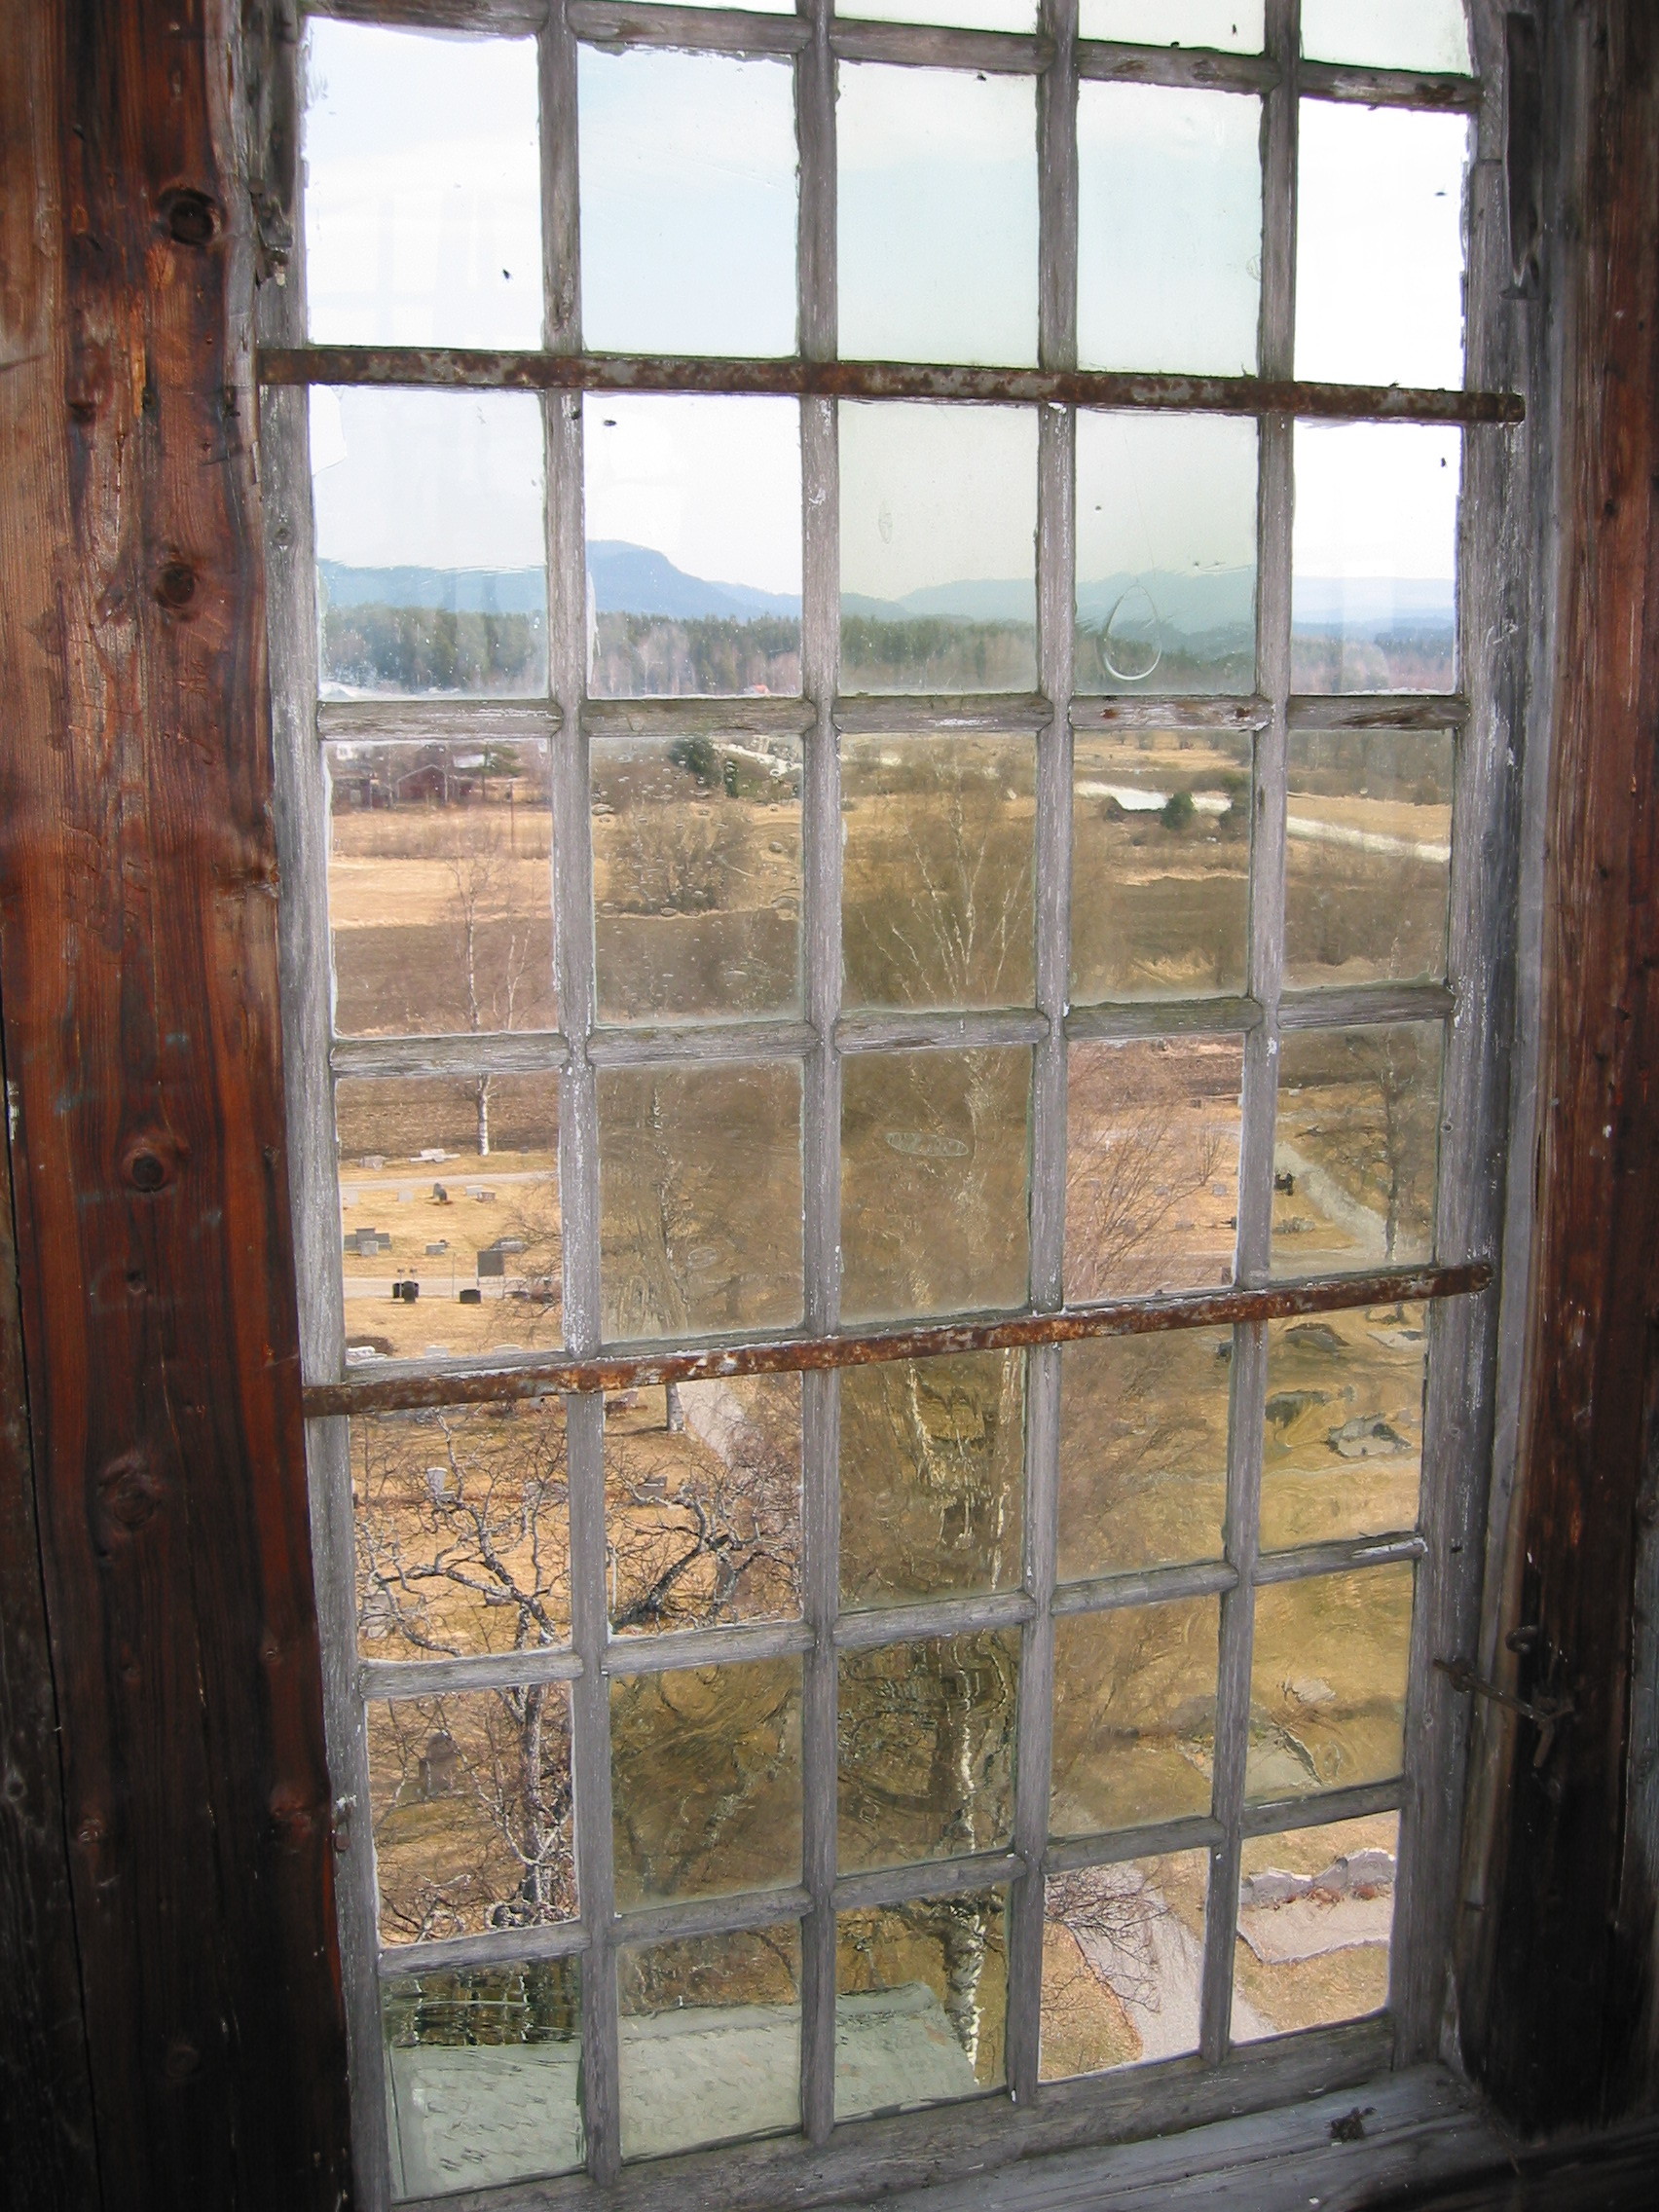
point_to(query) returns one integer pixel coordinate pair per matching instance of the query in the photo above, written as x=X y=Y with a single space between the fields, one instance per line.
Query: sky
x=422 y=226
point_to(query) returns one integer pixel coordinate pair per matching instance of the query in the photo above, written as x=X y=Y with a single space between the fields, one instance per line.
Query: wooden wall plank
x=138 y=988
x=1557 y=1946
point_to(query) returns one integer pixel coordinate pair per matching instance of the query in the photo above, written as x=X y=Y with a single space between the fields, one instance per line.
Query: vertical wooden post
x=138 y=989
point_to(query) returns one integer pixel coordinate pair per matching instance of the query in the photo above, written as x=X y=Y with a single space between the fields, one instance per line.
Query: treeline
x=655 y=657
x=934 y=653
x=431 y=648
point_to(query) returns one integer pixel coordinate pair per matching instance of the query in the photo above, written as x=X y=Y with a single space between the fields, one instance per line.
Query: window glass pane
x=933 y=1458
x=1387 y=34
x=934 y=1162
x=939 y=548
x=484 y=2066
x=702 y=1494
x=463 y=1529
x=1379 y=245
x=964 y=15
x=422 y=189
x=710 y=2043
x=697 y=876
x=936 y=174
x=1122 y=1963
x=1152 y=1167
x=1226 y=26
x=1143 y=1451
x=1368 y=859
x=1170 y=229
x=688 y=195
x=921 y=2002
x=1166 y=553
x=699 y=1196
x=1134 y=1716
x=694 y=543
x=430 y=580
x=449 y=1210
x=1354 y=1148
x=1160 y=864
x=1328 y=1682
x=937 y=870
x=926 y=1736
x=1375 y=555
x=1342 y=1453
x=470 y=1799
x=440 y=888
x=1316 y=1923
x=705 y=1781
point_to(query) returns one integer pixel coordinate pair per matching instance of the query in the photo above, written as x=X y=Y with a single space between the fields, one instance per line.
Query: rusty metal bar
x=470 y=368
x=538 y=1376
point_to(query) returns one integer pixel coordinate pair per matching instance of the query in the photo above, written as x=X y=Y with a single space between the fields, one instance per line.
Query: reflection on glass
x=449 y=1215
x=939 y=548
x=702 y=1498
x=692 y=505
x=422 y=188
x=1343 y=1449
x=440 y=892
x=1166 y=552
x=1225 y=26
x=1143 y=1451
x=1379 y=245
x=935 y=870
x=926 y=1737
x=709 y=2043
x=1122 y=1963
x=430 y=580
x=921 y=2001
x=1170 y=229
x=1387 y=34
x=934 y=1166
x=697 y=876
x=1368 y=857
x=463 y=1532
x=1152 y=1167
x=931 y=1467
x=1134 y=1716
x=688 y=203
x=1316 y=1923
x=1328 y=1682
x=1355 y=1147
x=1160 y=864
x=705 y=1781
x=699 y=1198
x=483 y=2072
x=1374 y=555
x=470 y=1799
x=935 y=185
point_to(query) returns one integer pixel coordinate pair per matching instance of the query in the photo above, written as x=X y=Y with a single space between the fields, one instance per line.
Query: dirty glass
x=937 y=860
x=696 y=875
x=1355 y=1145
x=451 y=1238
x=1368 y=855
x=1134 y=1716
x=1225 y=27
x=1328 y=1682
x=1387 y=34
x=1122 y=1963
x=1342 y=1454
x=926 y=1745
x=1143 y=1451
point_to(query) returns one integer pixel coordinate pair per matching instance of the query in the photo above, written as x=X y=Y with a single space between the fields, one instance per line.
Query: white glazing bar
x=301 y=807
x=1248 y=1387
x=578 y=1125
x=820 y=836
x=1056 y=446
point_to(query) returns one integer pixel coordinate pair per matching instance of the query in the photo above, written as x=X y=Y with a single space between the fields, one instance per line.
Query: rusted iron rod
x=501 y=1383
x=466 y=368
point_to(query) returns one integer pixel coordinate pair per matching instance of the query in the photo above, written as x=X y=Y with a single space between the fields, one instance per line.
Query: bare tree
x=1140 y=1144
x=1374 y=1103
x=493 y=975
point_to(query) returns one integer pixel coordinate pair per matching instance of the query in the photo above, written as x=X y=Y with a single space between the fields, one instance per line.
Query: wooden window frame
x=1459 y=1406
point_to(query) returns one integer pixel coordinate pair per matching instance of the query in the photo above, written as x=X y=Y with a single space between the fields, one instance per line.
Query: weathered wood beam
x=138 y=983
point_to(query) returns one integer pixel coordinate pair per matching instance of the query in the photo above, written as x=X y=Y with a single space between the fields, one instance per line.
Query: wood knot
x=176 y=585
x=189 y=217
x=182 y=2060
x=129 y=1491
x=150 y=1162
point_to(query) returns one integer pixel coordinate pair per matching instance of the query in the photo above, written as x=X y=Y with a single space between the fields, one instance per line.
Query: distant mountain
x=1187 y=606
x=632 y=579
x=458 y=591
x=1373 y=604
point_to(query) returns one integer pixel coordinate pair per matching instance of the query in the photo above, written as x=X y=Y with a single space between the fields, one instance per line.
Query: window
x=883 y=922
